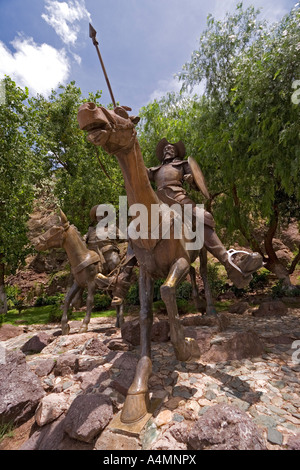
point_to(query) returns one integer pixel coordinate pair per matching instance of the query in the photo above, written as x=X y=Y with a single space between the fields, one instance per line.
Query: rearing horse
x=84 y=266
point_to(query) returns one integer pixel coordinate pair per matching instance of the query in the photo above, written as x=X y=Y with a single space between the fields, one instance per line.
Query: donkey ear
x=63 y=217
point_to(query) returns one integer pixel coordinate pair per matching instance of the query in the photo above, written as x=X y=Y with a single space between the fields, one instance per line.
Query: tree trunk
x=273 y=264
x=3 y=298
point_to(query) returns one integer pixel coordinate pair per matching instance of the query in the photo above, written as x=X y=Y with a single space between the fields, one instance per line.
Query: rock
x=203 y=336
x=160 y=331
x=53 y=437
x=271 y=308
x=164 y=417
x=232 y=346
x=291 y=236
x=294 y=442
x=130 y=331
x=66 y=364
x=95 y=347
x=45 y=367
x=224 y=427
x=9 y=331
x=20 y=389
x=64 y=344
x=274 y=436
x=174 y=439
x=51 y=407
x=124 y=361
x=95 y=378
x=118 y=344
x=111 y=441
x=220 y=321
x=37 y=343
x=87 y=416
x=239 y=308
x=122 y=381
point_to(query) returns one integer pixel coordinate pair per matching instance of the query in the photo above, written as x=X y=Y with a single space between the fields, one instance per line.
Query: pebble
x=274 y=436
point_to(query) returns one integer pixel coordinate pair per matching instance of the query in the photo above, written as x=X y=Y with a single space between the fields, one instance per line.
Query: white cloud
x=39 y=67
x=63 y=16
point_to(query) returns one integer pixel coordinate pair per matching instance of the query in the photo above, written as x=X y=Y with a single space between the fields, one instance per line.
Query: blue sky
x=143 y=42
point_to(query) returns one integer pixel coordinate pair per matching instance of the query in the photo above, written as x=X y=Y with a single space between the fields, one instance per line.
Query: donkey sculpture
x=84 y=266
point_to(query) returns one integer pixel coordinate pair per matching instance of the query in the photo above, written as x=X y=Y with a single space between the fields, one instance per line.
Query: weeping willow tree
x=244 y=130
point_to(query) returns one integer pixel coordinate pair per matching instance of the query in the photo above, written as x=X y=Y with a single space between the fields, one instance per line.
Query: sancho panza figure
x=169 y=177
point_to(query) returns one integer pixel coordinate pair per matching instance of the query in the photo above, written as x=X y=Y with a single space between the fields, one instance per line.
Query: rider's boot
x=239 y=270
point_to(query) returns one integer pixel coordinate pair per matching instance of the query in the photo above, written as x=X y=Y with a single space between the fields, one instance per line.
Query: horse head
x=54 y=237
x=113 y=130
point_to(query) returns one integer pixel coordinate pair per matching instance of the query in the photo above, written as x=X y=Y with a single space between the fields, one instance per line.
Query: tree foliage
x=83 y=175
x=244 y=130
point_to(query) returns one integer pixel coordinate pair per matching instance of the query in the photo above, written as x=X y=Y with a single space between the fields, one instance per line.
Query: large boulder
x=20 y=389
x=51 y=407
x=234 y=346
x=9 y=331
x=37 y=343
x=225 y=427
x=160 y=333
x=88 y=416
x=271 y=308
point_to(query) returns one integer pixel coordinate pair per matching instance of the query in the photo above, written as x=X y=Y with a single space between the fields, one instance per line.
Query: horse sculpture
x=170 y=259
x=158 y=258
x=84 y=266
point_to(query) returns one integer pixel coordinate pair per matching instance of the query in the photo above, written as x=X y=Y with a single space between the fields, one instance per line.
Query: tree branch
x=295 y=261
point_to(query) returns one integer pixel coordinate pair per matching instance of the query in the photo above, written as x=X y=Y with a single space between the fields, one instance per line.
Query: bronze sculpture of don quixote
x=167 y=258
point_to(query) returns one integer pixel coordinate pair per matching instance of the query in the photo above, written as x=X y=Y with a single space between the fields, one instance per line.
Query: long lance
x=93 y=33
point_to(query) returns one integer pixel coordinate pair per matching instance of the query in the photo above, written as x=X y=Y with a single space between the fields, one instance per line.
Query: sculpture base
x=134 y=429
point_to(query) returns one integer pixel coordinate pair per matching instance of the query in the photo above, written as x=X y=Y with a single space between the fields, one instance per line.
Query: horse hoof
x=135 y=408
x=83 y=329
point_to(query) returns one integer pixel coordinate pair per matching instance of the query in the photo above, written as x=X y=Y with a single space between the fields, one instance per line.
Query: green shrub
x=132 y=297
x=49 y=300
x=217 y=285
x=280 y=290
x=101 y=302
x=55 y=314
x=184 y=291
x=259 y=280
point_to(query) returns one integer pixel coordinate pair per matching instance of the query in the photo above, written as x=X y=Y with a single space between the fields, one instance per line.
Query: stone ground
x=266 y=387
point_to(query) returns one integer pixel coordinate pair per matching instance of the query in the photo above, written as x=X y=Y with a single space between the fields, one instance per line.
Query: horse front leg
x=186 y=349
x=198 y=302
x=89 y=307
x=65 y=327
x=136 y=405
x=210 y=308
x=120 y=315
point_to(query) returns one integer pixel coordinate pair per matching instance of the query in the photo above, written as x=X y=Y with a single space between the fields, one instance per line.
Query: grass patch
x=6 y=430
x=222 y=305
x=41 y=315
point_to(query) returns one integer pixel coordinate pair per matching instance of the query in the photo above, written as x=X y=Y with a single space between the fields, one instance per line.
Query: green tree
x=246 y=131
x=19 y=171
x=82 y=179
